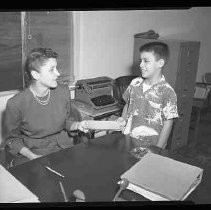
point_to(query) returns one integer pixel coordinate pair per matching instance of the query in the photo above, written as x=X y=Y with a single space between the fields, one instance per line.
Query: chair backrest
x=4 y=96
x=121 y=84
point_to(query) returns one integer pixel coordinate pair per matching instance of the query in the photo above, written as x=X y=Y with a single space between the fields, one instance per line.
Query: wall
x=105 y=38
x=54 y=30
x=10 y=51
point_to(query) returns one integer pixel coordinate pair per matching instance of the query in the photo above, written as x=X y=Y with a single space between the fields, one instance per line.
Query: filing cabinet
x=180 y=72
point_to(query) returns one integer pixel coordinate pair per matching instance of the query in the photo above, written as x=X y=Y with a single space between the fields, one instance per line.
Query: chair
x=207 y=81
x=201 y=105
x=3 y=101
x=202 y=97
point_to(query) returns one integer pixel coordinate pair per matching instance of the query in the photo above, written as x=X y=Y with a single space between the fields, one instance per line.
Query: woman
x=39 y=118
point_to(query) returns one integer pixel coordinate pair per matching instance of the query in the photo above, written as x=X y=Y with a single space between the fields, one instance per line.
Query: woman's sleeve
x=73 y=115
x=12 y=125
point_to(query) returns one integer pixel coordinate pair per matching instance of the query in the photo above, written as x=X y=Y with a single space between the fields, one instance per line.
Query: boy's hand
x=121 y=122
x=83 y=126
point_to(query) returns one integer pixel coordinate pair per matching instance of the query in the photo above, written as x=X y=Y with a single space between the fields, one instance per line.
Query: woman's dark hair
x=36 y=58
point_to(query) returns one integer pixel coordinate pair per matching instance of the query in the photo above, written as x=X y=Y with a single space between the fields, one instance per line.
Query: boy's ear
x=161 y=62
x=35 y=74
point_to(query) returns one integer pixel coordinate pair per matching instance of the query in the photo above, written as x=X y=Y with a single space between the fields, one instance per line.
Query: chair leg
x=196 y=130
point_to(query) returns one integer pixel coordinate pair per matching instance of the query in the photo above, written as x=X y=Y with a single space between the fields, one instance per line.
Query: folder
x=160 y=178
x=13 y=191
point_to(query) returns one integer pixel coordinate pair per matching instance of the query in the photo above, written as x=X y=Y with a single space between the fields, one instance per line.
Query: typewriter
x=95 y=92
x=103 y=100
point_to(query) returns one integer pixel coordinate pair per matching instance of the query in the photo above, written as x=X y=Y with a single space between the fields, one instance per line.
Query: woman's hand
x=28 y=153
x=34 y=156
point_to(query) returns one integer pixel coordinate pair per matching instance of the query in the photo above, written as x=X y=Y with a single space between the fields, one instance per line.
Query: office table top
x=94 y=168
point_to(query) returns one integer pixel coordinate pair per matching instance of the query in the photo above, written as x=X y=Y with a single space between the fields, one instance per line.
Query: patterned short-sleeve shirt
x=147 y=110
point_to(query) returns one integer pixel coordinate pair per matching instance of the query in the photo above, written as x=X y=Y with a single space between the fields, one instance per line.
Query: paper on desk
x=103 y=125
x=13 y=191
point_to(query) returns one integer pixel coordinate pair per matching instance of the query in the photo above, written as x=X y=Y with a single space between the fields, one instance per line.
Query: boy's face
x=149 y=65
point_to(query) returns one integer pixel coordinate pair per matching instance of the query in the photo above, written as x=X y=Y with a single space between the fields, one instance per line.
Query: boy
x=151 y=103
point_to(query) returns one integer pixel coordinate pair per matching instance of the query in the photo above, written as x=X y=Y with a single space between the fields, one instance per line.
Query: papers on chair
x=13 y=191
x=161 y=178
x=103 y=125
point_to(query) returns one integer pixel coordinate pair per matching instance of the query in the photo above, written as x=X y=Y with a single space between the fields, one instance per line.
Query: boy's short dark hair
x=160 y=50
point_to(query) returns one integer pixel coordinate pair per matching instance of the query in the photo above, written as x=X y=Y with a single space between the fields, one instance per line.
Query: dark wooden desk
x=93 y=168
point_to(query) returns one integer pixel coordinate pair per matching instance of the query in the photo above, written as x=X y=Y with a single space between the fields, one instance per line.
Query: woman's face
x=48 y=73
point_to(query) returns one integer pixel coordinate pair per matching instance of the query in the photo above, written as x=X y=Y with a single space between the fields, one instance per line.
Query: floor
x=202 y=149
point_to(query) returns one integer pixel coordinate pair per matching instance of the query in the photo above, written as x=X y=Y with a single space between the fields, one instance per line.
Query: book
x=13 y=191
x=160 y=178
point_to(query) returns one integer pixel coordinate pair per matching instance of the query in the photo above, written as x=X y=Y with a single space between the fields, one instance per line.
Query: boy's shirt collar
x=162 y=79
x=139 y=81
x=146 y=88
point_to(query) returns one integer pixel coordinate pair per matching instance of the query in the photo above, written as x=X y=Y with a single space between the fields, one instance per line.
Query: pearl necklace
x=42 y=102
